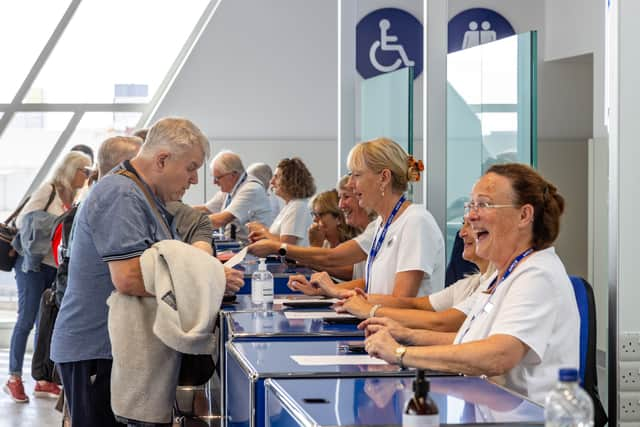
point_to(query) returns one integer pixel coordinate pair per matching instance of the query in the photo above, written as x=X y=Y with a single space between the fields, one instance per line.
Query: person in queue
x=263 y=172
x=346 y=260
x=444 y=310
x=113 y=227
x=292 y=182
x=406 y=253
x=241 y=199
x=329 y=227
x=524 y=326
x=35 y=268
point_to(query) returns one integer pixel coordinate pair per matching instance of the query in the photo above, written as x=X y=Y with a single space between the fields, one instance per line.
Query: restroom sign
x=386 y=40
x=477 y=26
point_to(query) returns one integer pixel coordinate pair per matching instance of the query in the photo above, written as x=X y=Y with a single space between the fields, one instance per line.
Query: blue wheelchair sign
x=386 y=40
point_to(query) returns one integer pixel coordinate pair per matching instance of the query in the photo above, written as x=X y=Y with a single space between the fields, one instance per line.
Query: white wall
x=573 y=28
x=262 y=80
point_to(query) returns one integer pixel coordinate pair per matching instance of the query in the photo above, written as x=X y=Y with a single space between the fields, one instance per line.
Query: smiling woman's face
x=496 y=230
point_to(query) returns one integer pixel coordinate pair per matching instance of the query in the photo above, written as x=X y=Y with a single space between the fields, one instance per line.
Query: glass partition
x=386 y=107
x=491 y=115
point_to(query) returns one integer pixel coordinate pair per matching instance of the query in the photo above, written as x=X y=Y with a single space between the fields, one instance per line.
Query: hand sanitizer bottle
x=262 y=286
x=420 y=410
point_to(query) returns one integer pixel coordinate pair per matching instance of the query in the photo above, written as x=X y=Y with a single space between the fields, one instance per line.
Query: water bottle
x=262 y=286
x=568 y=405
x=420 y=410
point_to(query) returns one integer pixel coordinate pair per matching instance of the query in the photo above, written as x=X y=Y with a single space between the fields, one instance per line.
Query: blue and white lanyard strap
x=488 y=306
x=227 y=200
x=492 y=287
x=378 y=240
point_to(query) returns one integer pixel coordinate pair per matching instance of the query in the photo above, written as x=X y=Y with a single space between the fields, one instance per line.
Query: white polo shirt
x=293 y=220
x=413 y=242
x=536 y=305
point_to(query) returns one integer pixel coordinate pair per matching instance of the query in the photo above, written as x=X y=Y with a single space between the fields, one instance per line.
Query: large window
x=79 y=71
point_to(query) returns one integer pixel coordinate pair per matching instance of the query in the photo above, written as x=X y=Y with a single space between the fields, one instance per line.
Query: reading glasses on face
x=219 y=177
x=481 y=206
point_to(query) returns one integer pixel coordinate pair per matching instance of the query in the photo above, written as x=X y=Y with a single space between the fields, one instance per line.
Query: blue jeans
x=31 y=285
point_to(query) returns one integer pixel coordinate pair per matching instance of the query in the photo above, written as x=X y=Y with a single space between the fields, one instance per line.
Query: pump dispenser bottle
x=420 y=410
x=262 y=285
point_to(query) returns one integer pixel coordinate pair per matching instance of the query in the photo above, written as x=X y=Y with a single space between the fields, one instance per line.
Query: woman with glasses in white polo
x=524 y=325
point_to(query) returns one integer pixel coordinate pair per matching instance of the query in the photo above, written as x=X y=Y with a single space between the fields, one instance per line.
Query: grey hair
x=66 y=169
x=176 y=135
x=262 y=171
x=116 y=150
x=228 y=161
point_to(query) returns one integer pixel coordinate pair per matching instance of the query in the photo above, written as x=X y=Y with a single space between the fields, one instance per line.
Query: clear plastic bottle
x=262 y=286
x=420 y=410
x=568 y=405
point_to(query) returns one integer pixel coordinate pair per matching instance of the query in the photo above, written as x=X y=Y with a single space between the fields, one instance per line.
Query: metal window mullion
x=87 y=108
x=177 y=65
x=55 y=151
x=37 y=66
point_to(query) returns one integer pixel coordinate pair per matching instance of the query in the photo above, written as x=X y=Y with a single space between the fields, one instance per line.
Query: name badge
x=488 y=307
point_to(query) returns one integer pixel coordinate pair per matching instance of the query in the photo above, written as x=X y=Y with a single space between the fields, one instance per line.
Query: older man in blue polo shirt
x=113 y=227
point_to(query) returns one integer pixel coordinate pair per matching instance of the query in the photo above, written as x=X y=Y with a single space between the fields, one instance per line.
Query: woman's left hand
x=382 y=345
x=358 y=306
x=324 y=282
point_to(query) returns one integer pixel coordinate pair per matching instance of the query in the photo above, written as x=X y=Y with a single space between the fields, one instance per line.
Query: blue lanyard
x=492 y=287
x=494 y=284
x=227 y=200
x=377 y=241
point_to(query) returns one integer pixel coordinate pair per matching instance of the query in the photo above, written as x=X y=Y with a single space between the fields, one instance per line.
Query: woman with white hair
x=35 y=267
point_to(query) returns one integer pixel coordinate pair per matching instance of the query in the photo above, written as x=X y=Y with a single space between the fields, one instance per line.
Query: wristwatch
x=283 y=249
x=400 y=351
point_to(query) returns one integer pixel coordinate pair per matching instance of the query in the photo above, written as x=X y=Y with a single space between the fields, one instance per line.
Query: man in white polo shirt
x=241 y=199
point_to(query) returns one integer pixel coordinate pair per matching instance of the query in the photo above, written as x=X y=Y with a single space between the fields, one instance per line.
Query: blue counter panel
x=380 y=401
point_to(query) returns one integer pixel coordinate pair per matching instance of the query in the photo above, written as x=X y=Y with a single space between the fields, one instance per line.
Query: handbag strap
x=51 y=197
x=16 y=212
x=152 y=203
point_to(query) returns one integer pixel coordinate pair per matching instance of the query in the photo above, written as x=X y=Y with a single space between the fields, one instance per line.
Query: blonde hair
x=383 y=153
x=327 y=202
x=66 y=169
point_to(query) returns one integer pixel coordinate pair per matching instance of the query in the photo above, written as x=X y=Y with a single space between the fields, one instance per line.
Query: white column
x=624 y=176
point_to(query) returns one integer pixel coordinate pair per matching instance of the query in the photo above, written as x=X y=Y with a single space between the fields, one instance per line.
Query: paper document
x=315 y=315
x=356 y=359
x=237 y=258
x=310 y=299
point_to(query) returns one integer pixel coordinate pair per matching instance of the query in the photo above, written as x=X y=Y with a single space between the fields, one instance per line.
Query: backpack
x=63 y=228
x=42 y=367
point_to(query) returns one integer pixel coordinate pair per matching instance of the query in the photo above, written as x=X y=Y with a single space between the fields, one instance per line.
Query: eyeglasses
x=86 y=171
x=481 y=206
x=219 y=177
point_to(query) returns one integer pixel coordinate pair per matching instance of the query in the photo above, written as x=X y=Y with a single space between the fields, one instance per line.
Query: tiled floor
x=38 y=412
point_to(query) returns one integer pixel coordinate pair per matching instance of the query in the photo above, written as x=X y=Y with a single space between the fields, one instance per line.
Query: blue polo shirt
x=115 y=222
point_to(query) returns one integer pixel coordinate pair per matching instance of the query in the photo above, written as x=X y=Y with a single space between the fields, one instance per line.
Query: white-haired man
x=114 y=226
x=242 y=197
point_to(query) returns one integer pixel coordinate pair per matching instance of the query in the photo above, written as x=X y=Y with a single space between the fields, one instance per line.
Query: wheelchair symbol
x=385 y=44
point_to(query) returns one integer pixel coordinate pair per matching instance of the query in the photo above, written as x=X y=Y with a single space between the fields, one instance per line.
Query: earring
x=382 y=190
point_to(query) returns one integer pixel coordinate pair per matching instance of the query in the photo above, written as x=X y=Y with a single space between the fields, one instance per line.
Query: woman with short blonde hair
x=405 y=247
